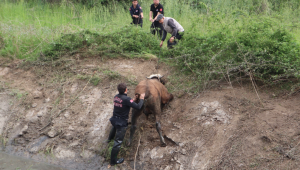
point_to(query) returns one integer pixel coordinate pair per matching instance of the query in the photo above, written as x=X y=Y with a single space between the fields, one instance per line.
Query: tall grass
x=28 y=27
x=259 y=37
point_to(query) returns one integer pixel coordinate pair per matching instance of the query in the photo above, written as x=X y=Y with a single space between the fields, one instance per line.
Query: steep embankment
x=58 y=112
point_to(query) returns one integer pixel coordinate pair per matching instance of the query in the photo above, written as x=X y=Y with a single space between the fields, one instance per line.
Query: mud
x=56 y=113
x=9 y=162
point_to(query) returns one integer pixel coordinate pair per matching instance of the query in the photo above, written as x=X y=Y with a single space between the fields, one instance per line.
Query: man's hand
x=136 y=97
x=161 y=43
x=142 y=96
x=151 y=20
x=171 y=39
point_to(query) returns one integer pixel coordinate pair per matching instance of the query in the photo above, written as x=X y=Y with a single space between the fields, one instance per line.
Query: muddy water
x=9 y=162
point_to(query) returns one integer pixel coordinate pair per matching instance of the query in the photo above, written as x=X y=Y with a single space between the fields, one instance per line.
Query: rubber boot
x=120 y=134
x=114 y=159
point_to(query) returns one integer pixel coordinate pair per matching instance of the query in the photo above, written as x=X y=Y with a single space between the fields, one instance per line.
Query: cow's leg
x=135 y=115
x=158 y=126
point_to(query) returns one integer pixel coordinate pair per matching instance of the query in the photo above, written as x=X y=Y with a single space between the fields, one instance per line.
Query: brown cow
x=156 y=94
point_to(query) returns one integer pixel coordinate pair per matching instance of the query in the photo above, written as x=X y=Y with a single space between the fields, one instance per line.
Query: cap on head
x=159 y=17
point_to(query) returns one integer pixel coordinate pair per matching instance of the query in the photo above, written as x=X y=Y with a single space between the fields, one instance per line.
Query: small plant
x=3 y=140
x=107 y=151
x=18 y=94
x=95 y=80
x=111 y=74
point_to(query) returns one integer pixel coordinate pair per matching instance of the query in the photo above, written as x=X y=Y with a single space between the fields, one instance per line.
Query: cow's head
x=157 y=77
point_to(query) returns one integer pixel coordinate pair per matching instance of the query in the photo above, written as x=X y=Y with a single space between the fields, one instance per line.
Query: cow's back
x=151 y=87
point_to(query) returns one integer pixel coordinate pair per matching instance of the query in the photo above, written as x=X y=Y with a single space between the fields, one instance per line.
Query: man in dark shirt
x=155 y=9
x=136 y=13
x=170 y=26
x=119 y=120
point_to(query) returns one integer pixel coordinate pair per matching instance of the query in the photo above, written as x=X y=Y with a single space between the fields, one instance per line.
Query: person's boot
x=113 y=159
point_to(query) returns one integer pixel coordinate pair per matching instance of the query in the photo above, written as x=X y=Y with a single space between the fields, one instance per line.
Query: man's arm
x=164 y=35
x=173 y=26
x=156 y=16
x=163 y=38
x=150 y=16
x=131 y=103
x=131 y=12
x=136 y=106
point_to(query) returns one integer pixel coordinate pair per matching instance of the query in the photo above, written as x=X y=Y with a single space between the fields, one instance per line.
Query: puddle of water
x=9 y=162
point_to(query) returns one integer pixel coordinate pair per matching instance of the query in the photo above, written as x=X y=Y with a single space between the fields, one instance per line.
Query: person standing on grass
x=155 y=9
x=119 y=120
x=136 y=13
x=170 y=26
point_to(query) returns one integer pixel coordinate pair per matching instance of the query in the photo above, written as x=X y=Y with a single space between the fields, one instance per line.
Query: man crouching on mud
x=119 y=120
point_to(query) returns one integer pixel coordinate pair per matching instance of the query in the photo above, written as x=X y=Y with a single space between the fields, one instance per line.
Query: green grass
x=221 y=36
x=27 y=29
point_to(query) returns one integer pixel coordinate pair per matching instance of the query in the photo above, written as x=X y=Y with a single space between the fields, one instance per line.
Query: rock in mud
x=23 y=130
x=52 y=133
x=62 y=153
x=87 y=154
x=34 y=105
x=37 y=94
x=38 y=144
x=4 y=71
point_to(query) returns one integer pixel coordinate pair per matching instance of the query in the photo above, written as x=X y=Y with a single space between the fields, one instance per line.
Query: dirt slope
x=58 y=112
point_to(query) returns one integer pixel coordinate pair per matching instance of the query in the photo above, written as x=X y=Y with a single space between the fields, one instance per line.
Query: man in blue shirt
x=119 y=120
x=136 y=13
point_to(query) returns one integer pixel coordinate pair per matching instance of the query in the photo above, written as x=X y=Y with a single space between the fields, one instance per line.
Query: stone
x=38 y=144
x=37 y=94
x=62 y=153
x=4 y=71
x=34 y=105
x=47 y=100
x=74 y=88
x=87 y=154
x=157 y=153
x=23 y=130
x=52 y=133
x=42 y=112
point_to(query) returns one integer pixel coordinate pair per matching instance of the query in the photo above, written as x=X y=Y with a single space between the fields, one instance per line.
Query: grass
x=257 y=36
x=27 y=29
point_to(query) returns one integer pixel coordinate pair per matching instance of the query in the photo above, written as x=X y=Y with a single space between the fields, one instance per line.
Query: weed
x=230 y=37
x=132 y=80
x=18 y=94
x=107 y=151
x=111 y=74
x=3 y=140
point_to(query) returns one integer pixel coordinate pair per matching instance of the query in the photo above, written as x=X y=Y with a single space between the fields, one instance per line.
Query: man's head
x=134 y=2
x=160 y=18
x=122 y=88
x=156 y=2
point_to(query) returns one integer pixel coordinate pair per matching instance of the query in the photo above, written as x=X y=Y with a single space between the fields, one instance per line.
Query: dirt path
x=50 y=113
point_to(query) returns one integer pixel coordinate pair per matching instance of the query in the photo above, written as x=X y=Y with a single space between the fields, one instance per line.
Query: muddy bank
x=59 y=113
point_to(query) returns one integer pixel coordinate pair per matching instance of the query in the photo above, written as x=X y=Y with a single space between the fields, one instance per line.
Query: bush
x=127 y=40
x=257 y=46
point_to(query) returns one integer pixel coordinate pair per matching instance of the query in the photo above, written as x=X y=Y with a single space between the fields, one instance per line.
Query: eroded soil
x=58 y=113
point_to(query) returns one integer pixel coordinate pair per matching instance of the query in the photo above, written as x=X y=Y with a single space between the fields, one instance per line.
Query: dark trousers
x=118 y=133
x=177 y=37
x=157 y=27
x=137 y=21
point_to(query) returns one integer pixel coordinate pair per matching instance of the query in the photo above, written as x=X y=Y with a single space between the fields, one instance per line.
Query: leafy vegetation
x=223 y=39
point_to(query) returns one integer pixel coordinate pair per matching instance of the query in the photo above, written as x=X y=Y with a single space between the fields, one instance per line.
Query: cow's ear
x=163 y=81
